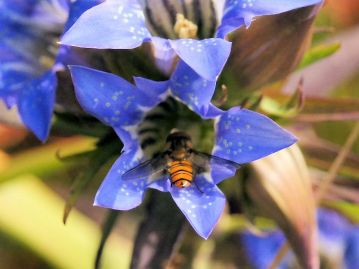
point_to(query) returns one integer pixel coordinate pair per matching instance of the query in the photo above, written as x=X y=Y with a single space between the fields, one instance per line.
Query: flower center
x=185 y=28
x=181 y=19
x=170 y=115
x=44 y=23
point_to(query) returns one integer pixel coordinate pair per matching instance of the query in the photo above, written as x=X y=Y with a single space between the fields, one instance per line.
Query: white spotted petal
x=244 y=136
x=116 y=193
x=207 y=57
x=201 y=208
x=192 y=89
x=110 y=25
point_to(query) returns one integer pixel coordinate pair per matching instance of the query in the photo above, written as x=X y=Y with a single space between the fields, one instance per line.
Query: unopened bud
x=281 y=190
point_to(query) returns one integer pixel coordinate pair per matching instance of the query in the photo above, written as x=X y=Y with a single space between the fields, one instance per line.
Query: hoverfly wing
x=151 y=169
x=203 y=161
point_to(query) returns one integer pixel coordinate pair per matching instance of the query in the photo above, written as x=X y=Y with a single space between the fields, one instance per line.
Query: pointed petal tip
x=205 y=236
x=203 y=213
x=42 y=136
x=206 y=57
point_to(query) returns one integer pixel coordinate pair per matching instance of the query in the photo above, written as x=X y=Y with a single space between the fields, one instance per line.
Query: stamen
x=185 y=28
x=46 y=61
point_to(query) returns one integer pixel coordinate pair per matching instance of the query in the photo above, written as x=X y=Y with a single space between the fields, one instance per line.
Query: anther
x=185 y=28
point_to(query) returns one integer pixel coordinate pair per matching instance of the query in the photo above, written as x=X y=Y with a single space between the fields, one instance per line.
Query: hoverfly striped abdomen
x=181 y=173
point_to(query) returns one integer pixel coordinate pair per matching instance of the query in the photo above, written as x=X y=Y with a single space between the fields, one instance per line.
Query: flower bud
x=281 y=190
x=271 y=48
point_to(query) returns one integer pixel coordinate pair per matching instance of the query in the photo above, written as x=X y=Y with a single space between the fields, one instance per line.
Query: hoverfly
x=180 y=161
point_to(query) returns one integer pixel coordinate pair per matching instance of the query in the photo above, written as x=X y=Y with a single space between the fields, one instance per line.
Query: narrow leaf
x=98 y=159
x=42 y=160
x=318 y=53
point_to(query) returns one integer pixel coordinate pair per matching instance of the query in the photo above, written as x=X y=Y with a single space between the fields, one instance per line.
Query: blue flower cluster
x=30 y=55
x=189 y=45
x=338 y=244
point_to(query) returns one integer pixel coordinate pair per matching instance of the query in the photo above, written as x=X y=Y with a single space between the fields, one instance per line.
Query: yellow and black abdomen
x=181 y=173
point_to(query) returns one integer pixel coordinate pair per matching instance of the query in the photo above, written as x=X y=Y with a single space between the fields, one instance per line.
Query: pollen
x=184 y=28
x=46 y=61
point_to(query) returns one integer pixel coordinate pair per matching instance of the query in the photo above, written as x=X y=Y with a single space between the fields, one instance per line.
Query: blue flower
x=338 y=244
x=241 y=136
x=182 y=28
x=30 y=58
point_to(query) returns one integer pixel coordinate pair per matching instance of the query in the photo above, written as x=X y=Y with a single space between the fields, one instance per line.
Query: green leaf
x=317 y=53
x=43 y=160
x=30 y=214
x=288 y=110
x=98 y=159
x=68 y=124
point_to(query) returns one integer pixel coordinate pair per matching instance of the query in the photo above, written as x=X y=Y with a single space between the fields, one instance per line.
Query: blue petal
x=163 y=184
x=118 y=194
x=36 y=102
x=202 y=210
x=30 y=11
x=191 y=88
x=241 y=12
x=9 y=100
x=221 y=172
x=48 y=15
x=20 y=50
x=158 y=90
x=77 y=8
x=206 y=57
x=352 y=249
x=16 y=7
x=14 y=70
x=333 y=227
x=243 y=136
x=165 y=56
x=262 y=250
x=213 y=112
x=337 y=236
x=110 y=25
x=68 y=56
x=110 y=98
